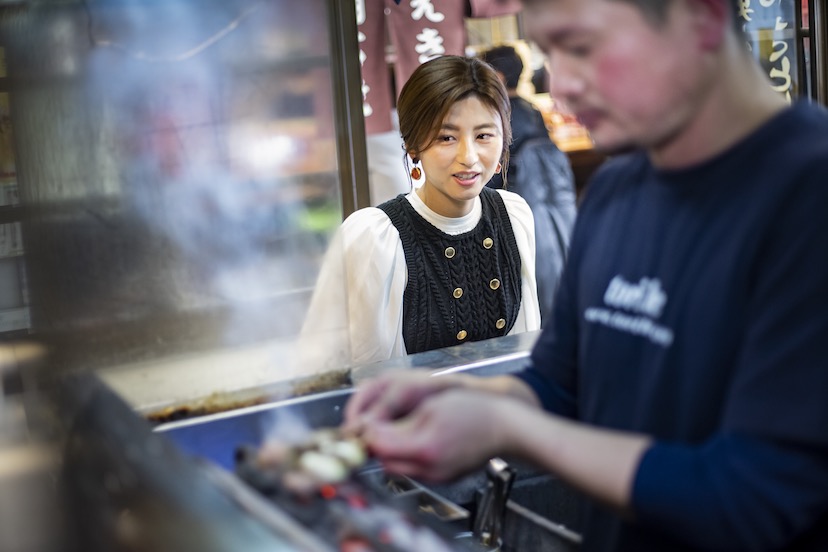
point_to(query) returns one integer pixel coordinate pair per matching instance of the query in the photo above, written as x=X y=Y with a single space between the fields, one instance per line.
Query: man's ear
x=712 y=21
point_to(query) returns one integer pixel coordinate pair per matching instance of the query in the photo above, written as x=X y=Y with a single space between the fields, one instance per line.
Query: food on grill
x=325 y=457
x=322 y=467
x=325 y=484
x=349 y=451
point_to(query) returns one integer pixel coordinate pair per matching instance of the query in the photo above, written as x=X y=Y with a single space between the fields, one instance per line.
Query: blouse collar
x=449 y=225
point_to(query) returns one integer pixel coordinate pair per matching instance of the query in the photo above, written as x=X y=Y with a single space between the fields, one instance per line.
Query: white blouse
x=356 y=311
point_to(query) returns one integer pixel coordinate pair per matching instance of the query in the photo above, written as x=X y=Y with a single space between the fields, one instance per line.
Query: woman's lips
x=466 y=179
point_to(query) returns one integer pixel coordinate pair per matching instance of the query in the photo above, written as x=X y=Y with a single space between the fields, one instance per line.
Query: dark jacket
x=541 y=174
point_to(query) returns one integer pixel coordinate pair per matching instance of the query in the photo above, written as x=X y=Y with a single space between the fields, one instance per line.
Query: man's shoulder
x=800 y=131
x=809 y=114
x=809 y=131
x=790 y=151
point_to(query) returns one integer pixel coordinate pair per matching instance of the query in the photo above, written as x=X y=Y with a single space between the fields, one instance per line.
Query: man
x=681 y=383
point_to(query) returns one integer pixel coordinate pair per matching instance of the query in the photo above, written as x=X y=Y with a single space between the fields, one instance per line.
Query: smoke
x=219 y=151
x=284 y=426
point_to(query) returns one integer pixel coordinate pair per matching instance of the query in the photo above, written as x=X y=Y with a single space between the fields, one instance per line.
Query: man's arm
x=599 y=462
x=456 y=431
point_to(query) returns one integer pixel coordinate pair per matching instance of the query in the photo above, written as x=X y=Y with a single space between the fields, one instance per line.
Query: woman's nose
x=467 y=152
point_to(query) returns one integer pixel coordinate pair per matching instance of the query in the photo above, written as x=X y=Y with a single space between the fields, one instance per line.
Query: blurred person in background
x=527 y=121
x=681 y=382
x=540 y=173
x=451 y=261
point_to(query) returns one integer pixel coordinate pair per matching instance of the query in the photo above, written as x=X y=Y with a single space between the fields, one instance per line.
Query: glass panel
x=14 y=310
x=178 y=164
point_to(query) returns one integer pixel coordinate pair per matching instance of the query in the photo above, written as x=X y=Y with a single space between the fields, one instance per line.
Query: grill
x=368 y=510
x=193 y=485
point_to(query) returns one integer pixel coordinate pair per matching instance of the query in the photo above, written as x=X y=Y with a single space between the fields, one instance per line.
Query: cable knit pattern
x=432 y=316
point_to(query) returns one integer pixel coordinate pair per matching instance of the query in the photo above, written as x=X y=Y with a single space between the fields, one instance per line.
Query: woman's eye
x=485 y=136
x=445 y=138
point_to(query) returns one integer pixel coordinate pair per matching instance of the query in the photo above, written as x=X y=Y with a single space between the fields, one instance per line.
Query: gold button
x=450 y=252
x=461 y=335
x=488 y=243
x=500 y=324
x=494 y=283
x=458 y=293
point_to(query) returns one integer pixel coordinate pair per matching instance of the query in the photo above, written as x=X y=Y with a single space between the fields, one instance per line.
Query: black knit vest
x=460 y=288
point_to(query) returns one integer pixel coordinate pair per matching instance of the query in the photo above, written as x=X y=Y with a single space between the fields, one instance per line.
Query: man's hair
x=656 y=10
x=507 y=61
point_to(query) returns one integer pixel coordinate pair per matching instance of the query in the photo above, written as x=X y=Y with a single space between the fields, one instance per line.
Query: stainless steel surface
x=488 y=357
x=491 y=509
x=127 y=489
x=540 y=514
x=528 y=530
x=260 y=509
x=216 y=436
x=132 y=489
x=29 y=515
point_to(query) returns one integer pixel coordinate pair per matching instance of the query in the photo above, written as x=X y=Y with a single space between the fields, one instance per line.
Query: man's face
x=630 y=81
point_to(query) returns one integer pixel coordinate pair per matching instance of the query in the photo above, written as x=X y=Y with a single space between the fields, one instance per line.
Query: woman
x=450 y=262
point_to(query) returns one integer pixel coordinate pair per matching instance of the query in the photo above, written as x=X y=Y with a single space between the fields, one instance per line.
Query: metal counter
x=216 y=437
x=542 y=513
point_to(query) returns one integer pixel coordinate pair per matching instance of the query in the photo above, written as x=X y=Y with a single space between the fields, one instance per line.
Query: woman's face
x=463 y=158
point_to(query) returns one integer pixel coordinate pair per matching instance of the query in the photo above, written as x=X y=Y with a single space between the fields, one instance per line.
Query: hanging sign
x=770 y=26
x=419 y=30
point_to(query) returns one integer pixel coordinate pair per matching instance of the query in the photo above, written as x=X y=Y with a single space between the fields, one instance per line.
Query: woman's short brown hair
x=435 y=86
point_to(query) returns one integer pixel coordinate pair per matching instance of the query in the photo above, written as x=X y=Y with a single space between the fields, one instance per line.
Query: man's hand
x=394 y=395
x=447 y=435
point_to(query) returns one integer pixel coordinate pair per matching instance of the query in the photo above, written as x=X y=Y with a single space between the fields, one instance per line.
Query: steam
x=284 y=426
x=205 y=150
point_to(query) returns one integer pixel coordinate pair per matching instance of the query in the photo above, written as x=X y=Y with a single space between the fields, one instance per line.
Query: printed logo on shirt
x=645 y=299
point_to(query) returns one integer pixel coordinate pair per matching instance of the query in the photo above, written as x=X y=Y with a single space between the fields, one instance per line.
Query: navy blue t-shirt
x=694 y=308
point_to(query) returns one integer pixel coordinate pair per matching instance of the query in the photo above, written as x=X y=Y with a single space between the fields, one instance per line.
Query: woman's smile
x=467 y=178
x=462 y=158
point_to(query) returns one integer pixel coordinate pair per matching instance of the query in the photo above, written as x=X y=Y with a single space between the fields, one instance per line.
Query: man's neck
x=734 y=107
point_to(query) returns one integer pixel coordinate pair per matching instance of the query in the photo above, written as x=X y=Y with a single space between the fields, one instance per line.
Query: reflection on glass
x=179 y=163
